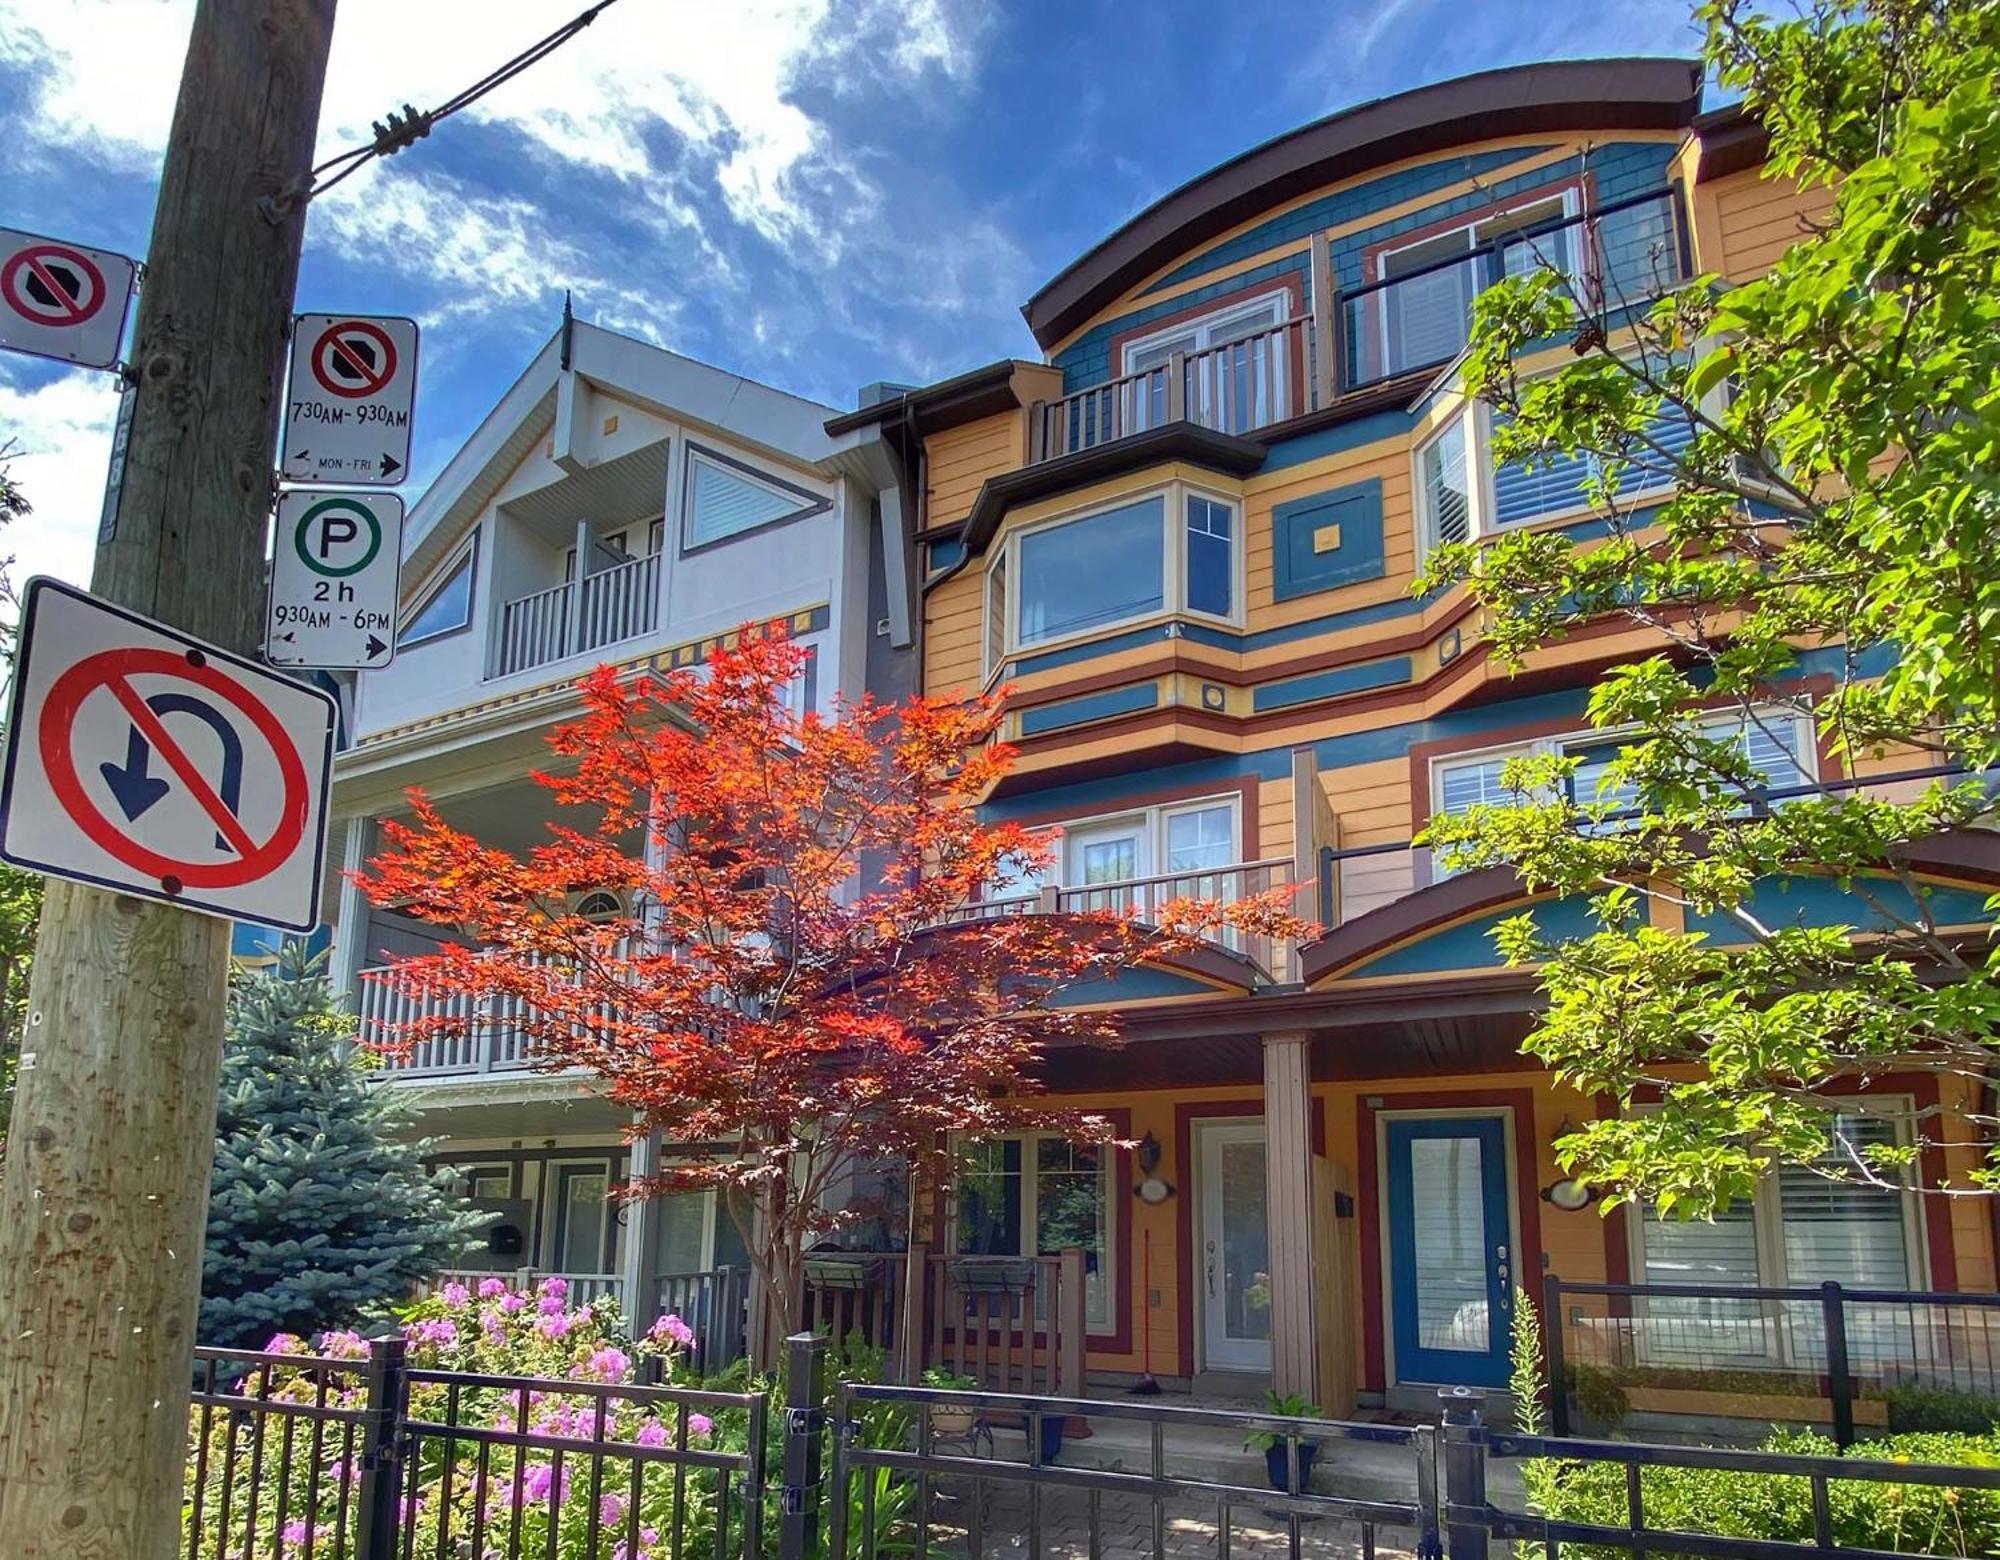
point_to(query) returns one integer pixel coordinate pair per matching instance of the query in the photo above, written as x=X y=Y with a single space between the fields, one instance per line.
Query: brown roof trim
x=1732 y=140
x=978 y=392
x=1559 y=95
x=1223 y=452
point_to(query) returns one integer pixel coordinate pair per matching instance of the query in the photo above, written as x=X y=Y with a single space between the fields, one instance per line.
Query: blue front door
x=1451 y=1254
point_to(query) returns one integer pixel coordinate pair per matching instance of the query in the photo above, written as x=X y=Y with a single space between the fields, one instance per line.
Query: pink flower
x=611 y=1510
x=440 y=1330
x=540 y=1482
x=489 y=1287
x=286 y=1343
x=671 y=1326
x=455 y=1295
x=552 y=1324
x=606 y=1364
x=513 y=1304
x=652 y=1433
x=347 y=1345
x=294 y=1531
x=700 y=1424
x=553 y=1288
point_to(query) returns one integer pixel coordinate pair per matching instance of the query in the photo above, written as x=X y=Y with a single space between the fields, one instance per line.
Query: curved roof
x=1560 y=95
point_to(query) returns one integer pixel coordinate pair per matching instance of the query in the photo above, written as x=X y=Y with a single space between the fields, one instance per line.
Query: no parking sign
x=62 y=300
x=349 y=403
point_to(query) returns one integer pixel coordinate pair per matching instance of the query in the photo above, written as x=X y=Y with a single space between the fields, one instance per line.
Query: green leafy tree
x=20 y=892
x=320 y=1211
x=1830 y=547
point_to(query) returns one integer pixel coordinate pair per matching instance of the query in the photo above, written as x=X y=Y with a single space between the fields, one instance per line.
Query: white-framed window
x=1231 y=390
x=1231 y=323
x=1801 y=1229
x=723 y=497
x=1777 y=743
x=446 y=608
x=1036 y=1195
x=1176 y=549
x=1446 y=469
x=1098 y=859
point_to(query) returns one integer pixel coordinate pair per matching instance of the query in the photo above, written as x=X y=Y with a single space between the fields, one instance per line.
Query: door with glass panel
x=1237 y=377
x=583 y=1228
x=1100 y=861
x=1233 y=1248
x=1451 y=1250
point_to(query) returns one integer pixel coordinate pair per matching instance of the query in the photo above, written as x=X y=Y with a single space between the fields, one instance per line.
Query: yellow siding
x=954 y=621
x=1274 y=819
x=958 y=460
x=1757 y=218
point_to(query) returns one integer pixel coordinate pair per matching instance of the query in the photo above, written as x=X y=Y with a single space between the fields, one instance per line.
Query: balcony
x=613 y=605
x=488 y=1035
x=1616 y=256
x=1273 y=959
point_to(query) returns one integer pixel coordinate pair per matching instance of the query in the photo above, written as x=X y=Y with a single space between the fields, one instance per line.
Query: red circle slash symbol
x=354 y=358
x=48 y=284
x=112 y=671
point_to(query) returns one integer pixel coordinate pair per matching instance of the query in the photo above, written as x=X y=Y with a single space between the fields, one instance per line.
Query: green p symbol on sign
x=338 y=537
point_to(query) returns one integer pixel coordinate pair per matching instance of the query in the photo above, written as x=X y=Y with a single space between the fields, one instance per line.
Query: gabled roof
x=1560 y=95
x=677 y=388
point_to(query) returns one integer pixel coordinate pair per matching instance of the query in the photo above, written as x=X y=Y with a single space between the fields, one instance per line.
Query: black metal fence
x=1856 y=1361
x=296 y=1457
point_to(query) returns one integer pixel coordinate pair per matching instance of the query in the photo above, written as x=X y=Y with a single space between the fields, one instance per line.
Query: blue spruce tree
x=320 y=1211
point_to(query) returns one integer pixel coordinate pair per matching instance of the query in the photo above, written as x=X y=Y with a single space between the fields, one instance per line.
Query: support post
x=642 y=1240
x=1839 y=1378
x=805 y=1419
x=350 y=933
x=573 y=607
x=1464 y=1473
x=1324 y=334
x=910 y=1316
x=1177 y=401
x=106 y=1192
x=1288 y=1199
x=1071 y=1320
x=380 y=1496
x=1552 y=1349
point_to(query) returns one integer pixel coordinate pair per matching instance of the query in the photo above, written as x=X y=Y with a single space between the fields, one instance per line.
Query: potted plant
x=950 y=1419
x=1290 y=1405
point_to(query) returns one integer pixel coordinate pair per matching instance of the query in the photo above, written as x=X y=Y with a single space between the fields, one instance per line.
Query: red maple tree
x=805 y=982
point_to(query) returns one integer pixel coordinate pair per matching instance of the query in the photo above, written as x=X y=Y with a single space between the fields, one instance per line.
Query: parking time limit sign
x=350 y=399
x=334 y=571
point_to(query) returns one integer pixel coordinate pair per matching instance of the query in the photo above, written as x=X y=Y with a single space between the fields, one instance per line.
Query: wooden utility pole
x=105 y=1193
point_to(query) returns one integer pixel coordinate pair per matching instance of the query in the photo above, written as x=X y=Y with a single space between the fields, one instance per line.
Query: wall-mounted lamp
x=1568 y=1194
x=1151 y=1189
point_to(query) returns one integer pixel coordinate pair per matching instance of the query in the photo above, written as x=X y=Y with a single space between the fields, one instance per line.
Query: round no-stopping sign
x=52 y=284
x=354 y=358
x=338 y=537
x=112 y=671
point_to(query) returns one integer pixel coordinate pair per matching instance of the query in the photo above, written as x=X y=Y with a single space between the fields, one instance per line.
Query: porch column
x=350 y=930
x=642 y=1240
x=1288 y=1202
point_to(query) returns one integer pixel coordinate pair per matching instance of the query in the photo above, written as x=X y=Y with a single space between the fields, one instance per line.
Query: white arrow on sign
x=351 y=399
x=143 y=760
x=334 y=570
x=62 y=300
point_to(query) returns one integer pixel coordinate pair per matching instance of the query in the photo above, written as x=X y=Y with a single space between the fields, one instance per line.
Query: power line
x=395 y=132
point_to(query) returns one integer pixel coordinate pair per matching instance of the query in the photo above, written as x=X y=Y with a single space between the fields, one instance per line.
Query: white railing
x=614 y=604
x=533 y=631
x=1145 y=897
x=620 y=603
x=583 y=1287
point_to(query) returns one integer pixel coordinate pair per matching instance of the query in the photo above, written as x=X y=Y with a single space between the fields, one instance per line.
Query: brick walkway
x=1125 y=1530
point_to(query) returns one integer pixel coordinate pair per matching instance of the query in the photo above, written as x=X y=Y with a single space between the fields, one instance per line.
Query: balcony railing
x=1615 y=256
x=614 y=604
x=1145 y=897
x=488 y=1034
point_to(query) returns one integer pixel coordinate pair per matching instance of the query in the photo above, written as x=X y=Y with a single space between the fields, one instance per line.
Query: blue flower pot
x=1052 y=1436
x=1275 y=1465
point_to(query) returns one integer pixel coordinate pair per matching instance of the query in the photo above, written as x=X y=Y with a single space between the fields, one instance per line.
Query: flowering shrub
x=463 y=1496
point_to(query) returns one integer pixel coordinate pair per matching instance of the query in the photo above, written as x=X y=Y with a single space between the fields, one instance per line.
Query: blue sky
x=817 y=193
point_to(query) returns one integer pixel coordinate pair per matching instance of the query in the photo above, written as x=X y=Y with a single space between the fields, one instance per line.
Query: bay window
x=1175 y=550
x=1036 y=1195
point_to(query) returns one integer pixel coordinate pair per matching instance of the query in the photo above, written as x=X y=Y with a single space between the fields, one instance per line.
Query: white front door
x=1233 y=1248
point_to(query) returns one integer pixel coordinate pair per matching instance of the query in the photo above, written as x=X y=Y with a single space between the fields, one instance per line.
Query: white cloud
x=61 y=432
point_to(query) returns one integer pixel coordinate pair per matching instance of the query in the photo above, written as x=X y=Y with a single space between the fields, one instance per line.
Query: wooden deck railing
x=614 y=604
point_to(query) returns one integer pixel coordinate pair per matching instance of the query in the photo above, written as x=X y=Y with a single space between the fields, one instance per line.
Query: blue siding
x=1095 y=706
x=1132 y=985
x=1818 y=901
x=1302 y=565
x=1618 y=170
x=1469 y=945
x=1327 y=684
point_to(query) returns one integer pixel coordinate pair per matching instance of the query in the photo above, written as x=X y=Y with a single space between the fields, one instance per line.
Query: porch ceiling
x=610 y=496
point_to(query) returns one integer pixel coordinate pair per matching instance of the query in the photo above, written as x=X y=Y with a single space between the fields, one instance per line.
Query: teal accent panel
x=1329 y=684
x=946 y=553
x=1340 y=438
x=1300 y=568
x=1818 y=901
x=1094 y=706
x=1132 y=985
x=1617 y=170
x=1469 y=945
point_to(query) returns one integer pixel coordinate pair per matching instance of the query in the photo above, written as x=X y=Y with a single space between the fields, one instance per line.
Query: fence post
x=805 y=1417
x=1464 y=1473
x=1552 y=1349
x=1839 y=1380
x=381 y=1451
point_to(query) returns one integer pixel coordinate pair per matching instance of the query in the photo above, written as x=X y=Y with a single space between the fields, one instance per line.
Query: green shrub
x=1914 y=1406
x=1915 y=1519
